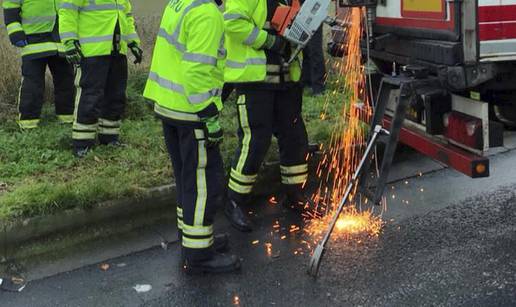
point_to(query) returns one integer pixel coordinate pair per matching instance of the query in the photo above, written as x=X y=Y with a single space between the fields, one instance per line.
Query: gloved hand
x=136 y=51
x=21 y=43
x=214 y=131
x=275 y=43
x=73 y=52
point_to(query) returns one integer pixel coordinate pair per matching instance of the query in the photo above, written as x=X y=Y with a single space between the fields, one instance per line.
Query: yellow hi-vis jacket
x=246 y=33
x=33 y=21
x=185 y=79
x=93 y=23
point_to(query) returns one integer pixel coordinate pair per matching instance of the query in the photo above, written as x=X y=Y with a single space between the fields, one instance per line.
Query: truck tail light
x=464 y=129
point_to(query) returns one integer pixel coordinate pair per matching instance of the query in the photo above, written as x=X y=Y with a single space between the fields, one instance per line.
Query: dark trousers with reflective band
x=263 y=112
x=100 y=101
x=32 y=89
x=199 y=175
x=314 y=70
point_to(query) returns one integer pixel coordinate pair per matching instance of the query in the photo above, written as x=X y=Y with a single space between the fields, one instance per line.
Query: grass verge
x=39 y=175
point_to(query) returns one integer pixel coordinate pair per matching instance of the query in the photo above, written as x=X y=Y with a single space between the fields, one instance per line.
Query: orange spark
x=347 y=142
x=268 y=249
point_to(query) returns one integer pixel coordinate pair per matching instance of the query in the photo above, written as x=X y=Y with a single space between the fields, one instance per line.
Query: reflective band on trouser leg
x=241 y=183
x=199 y=236
x=197 y=242
x=109 y=127
x=19 y=99
x=28 y=123
x=78 y=90
x=201 y=188
x=84 y=131
x=81 y=131
x=244 y=123
x=296 y=174
x=65 y=119
x=179 y=218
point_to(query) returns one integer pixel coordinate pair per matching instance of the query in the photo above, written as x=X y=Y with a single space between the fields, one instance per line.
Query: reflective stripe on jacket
x=34 y=21
x=246 y=33
x=186 y=78
x=93 y=23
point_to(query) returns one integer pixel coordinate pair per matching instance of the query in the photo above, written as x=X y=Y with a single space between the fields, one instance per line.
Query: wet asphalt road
x=462 y=255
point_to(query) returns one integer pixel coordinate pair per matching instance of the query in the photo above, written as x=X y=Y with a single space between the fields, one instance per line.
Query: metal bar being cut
x=315 y=261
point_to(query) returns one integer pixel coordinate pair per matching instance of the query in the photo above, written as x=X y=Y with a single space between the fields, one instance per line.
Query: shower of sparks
x=351 y=224
x=347 y=144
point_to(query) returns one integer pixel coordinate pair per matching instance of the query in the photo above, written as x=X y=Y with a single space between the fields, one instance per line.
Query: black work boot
x=237 y=217
x=218 y=263
x=82 y=147
x=221 y=242
x=80 y=152
x=110 y=140
x=299 y=201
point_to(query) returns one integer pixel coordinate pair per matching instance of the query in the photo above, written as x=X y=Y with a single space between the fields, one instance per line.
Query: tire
x=506 y=114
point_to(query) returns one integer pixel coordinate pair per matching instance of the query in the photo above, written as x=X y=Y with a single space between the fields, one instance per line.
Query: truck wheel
x=506 y=114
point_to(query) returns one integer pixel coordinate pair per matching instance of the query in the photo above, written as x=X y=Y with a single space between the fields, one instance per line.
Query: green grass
x=39 y=175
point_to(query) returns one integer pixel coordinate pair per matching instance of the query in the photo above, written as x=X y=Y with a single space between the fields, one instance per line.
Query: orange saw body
x=298 y=23
x=284 y=16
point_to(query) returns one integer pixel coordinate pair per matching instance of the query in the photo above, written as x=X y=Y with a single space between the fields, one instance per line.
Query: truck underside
x=459 y=60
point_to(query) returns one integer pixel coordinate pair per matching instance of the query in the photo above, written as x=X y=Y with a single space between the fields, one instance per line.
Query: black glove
x=275 y=43
x=73 y=52
x=137 y=52
x=18 y=39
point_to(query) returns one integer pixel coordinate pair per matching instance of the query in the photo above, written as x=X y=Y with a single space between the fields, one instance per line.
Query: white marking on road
x=142 y=288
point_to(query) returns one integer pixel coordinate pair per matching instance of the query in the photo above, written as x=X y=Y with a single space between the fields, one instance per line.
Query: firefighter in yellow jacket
x=32 y=27
x=185 y=82
x=269 y=103
x=97 y=35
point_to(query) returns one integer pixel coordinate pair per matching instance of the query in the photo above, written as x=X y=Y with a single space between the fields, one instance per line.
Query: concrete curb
x=20 y=231
x=32 y=237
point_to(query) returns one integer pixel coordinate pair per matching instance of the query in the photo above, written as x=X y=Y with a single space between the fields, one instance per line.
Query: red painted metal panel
x=496 y=31
x=497 y=13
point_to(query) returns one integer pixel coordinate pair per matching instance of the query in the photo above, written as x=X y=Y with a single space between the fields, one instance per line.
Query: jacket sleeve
x=204 y=36
x=69 y=19
x=239 y=23
x=13 y=21
x=132 y=35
